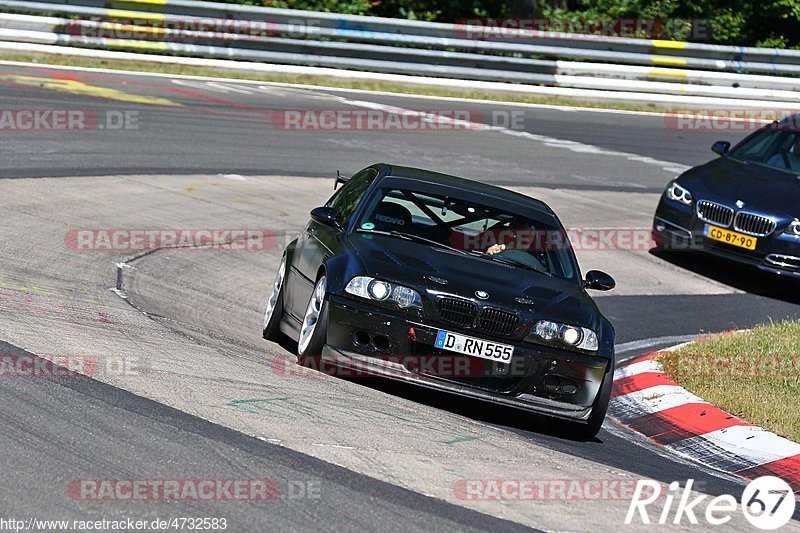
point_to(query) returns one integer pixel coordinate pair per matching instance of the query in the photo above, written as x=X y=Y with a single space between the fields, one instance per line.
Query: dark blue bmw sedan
x=744 y=206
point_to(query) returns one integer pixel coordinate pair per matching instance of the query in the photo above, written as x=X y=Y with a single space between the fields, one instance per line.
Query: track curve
x=190 y=318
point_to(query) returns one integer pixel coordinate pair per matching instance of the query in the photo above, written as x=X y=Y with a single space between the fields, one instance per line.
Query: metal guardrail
x=367 y=26
x=406 y=47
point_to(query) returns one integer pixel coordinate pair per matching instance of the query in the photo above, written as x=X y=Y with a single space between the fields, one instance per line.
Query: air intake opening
x=559 y=384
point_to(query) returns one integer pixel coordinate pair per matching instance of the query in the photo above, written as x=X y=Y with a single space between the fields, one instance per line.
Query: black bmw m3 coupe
x=744 y=206
x=449 y=284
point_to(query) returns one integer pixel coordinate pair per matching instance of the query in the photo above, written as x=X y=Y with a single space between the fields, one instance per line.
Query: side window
x=349 y=196
x=762 y=147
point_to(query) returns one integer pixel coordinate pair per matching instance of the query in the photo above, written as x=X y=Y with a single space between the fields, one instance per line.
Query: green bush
x=773 y=23
x=770 y=23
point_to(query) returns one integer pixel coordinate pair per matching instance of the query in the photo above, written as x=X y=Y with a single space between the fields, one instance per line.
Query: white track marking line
x=642 y=344
x=554 y=107
x=219 y=87
x=566 y=108
x=552 y=142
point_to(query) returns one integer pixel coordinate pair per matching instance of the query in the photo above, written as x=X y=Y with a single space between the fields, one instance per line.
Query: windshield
x=776 y=148
x=487 y=231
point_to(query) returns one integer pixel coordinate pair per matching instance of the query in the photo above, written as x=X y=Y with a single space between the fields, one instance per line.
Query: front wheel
x=274 y=313
x=584 y=431
x=314 y=331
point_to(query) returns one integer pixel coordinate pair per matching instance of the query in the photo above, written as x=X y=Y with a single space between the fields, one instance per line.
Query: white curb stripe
x=641 y=367
x=651 y=400
x=746 y=445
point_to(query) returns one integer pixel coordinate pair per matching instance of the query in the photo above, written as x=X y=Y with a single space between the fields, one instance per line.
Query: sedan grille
x=458 y=312
x=714 y=213
x=752 y=224
x=496 y=322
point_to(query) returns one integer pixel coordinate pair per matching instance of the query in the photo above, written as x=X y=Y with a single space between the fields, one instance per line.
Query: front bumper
x=539 y=379
x=677 y=228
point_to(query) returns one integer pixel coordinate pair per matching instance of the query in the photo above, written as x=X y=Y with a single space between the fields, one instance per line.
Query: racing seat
x=389 y=216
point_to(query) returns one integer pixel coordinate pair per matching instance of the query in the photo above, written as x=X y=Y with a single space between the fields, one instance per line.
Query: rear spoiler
x=339 y=179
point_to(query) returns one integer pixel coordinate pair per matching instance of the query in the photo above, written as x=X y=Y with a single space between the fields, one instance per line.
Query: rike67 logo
x=767 y=502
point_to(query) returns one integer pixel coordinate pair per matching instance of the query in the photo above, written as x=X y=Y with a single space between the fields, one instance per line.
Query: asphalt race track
x=183 y=387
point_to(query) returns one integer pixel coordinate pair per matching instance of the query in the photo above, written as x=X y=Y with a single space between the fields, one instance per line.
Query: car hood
x=762 y=189
x=425 y=267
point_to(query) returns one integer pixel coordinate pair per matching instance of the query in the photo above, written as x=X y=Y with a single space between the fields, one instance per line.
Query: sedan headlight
x=383 y=291
x=794 y=228
x=678 y=194
x=572 y=336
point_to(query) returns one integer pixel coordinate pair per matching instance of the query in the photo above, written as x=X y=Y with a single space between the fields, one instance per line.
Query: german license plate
x=484 y=349
x=730 y=237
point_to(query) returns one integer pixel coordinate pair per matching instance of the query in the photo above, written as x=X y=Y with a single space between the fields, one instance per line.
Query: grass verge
x=754 y=375
x=164 y=68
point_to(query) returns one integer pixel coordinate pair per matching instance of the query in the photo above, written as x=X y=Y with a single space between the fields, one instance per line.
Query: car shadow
x=497 y=415
x=287 y=344
x=745 y=278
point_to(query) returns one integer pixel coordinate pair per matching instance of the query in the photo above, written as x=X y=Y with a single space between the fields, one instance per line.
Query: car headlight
x=383 y=291
x=794 y=228
x=678 y=194
x=572 y=336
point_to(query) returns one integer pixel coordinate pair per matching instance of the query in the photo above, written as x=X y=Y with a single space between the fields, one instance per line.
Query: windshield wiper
x=512 y=262
x=412 y=237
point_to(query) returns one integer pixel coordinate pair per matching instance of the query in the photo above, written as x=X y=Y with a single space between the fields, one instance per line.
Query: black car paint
x=341 y=254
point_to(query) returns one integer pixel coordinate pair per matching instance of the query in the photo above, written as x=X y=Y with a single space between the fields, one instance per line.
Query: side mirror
x=721 y=147
x=599 y=281
x=327 y=216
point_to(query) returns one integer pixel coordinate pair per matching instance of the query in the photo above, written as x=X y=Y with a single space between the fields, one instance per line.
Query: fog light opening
x=381 y=342
x=362 y=338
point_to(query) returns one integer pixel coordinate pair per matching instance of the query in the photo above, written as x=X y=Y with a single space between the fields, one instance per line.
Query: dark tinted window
x=778 y=148
x=466 y=222
x=346 y=200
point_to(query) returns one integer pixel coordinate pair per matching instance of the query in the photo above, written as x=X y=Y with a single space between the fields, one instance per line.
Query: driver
x=496 y=249
x=790 y=160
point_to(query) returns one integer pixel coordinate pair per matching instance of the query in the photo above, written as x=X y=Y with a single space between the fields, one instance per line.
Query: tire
x=271 y=329
x=314 y=329
x=658 y=240
x=584 y=431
